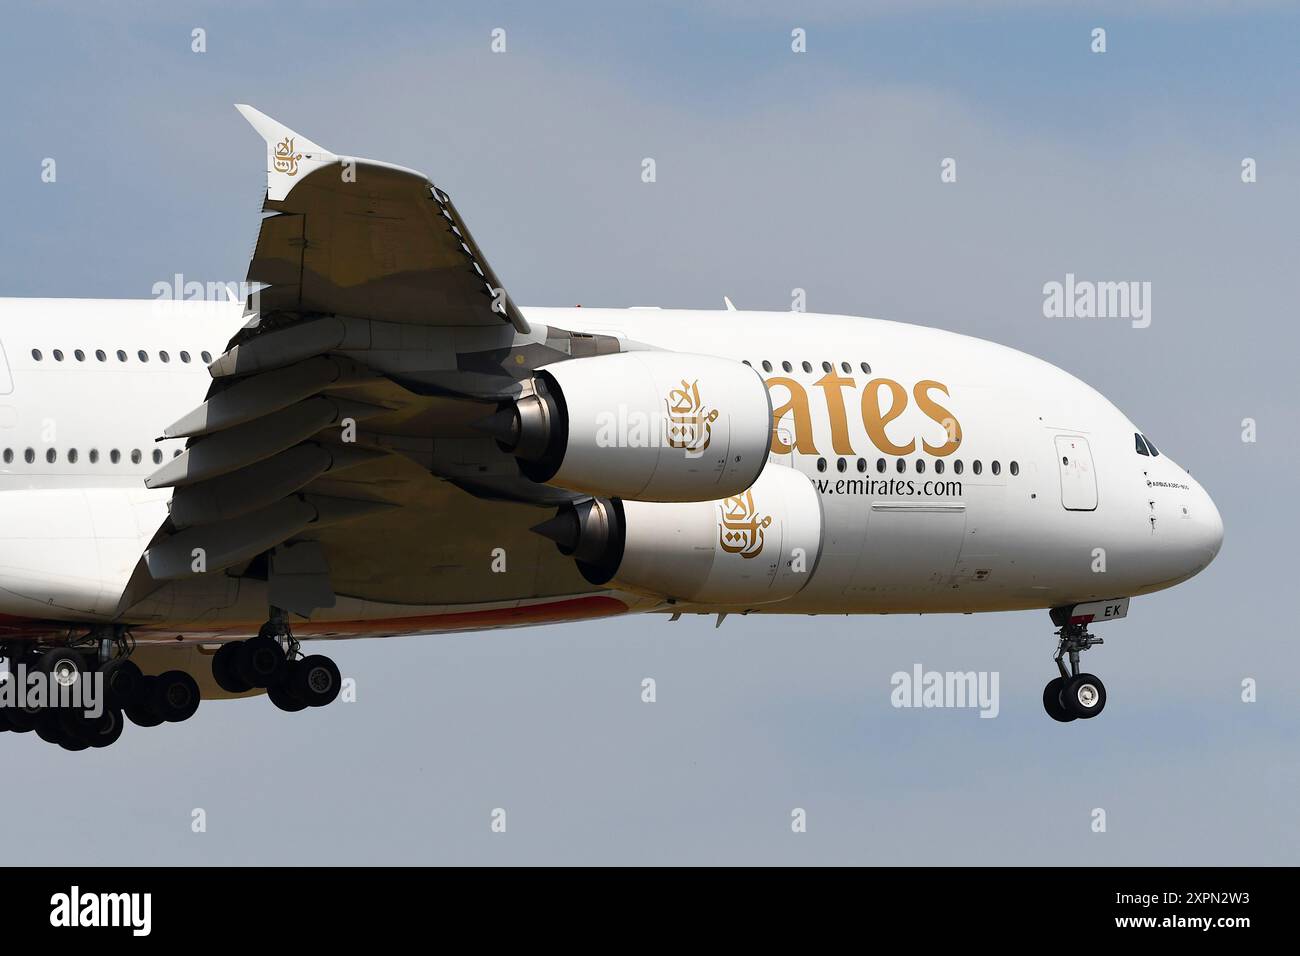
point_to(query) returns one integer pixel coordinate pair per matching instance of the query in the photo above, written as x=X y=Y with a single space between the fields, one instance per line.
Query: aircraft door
x=1078 y=479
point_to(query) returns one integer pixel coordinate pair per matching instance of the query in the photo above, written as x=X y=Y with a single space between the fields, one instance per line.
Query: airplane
x=378 y=441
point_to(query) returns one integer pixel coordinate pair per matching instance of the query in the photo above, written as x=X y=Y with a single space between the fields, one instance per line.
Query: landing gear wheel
x=65 y=667
x=104 y=730
x=121 y=681
x=76 y=730
x=140 y=711
x=1052 y=701
x=175 y=696
x=73 y=742
x=260 y=662
x=22 y=720
x=1084 y=696
x=315 y=680
x=223 y=669
x=283 y=697
x=50 y=726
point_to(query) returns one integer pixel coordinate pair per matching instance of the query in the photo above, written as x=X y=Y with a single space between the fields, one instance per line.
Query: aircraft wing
x=360 y=237
x=337 y=450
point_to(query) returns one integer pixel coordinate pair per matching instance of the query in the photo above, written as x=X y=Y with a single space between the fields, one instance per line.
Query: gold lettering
x=797 y=407
x=938 y=413
x=875 y=421
x=690 y=424
x=740 y=527
x=831 y=385
x=286 y=159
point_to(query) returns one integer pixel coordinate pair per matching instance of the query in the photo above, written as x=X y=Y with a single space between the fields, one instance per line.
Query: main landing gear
x=89 y=688
x=1074 y=696
x=273 y=660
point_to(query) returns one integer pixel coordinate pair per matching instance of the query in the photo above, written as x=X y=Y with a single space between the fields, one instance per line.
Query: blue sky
x=776 y=171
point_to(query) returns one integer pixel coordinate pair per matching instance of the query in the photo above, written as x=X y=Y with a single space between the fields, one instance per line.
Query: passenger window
x=9 y=456
x=94 y=456
x=846 y=368
x=862 y=464
x=920 y=466
x=1015 y=468
x=767 y=366
x=72 y=456
x=827 y=367
x=997 y=468
x=841 y=465
x=938 y=467
x=36 y=354
x=807 y=366
x=29 y=456
x=51 y=455
x=185 y=357
x=821 y=464
x=121 y=356
x=901 y=466
x=977 y=466
x=135 y=456
x=99 y=354
x=81 y=356
x=207 y=357
x=164 y=356
x=157 y=456
x=880 y=466
x=58 y=355
x=142 y=355
x=958 y=467
x=786 y=366
x=115 y=456
x=866 y=369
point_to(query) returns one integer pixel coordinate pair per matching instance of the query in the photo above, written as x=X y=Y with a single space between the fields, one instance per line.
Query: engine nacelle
x=644 y=425
x=753 y=548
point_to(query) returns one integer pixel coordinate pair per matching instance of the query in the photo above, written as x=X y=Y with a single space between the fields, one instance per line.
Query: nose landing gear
x=1074 y=696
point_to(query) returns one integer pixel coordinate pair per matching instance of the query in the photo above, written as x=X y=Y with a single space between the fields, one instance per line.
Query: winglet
x=289 y=155
x=727 y=302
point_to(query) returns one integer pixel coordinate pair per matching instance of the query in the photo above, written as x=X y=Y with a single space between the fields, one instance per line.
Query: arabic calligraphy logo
x=741 y=527
x=690 y=425
x=286 y=160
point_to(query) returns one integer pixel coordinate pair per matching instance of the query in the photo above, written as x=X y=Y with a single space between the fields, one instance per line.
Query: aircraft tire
x=1052 y=701
x=1084 y=696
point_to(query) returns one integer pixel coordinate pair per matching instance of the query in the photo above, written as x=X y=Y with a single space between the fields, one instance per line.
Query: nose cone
x=1209 y=526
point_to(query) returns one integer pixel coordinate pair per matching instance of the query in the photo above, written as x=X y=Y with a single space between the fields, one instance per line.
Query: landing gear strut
x=273 y=661
x=1074 y=696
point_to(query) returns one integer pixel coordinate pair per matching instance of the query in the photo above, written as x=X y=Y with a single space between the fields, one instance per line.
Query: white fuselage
x=1051 y=503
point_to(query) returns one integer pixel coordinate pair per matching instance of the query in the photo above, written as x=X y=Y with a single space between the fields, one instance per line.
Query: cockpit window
x=1154 y=453
x=1141 y=445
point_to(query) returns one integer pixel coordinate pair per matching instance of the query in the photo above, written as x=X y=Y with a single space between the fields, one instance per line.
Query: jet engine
x=755 y=547
x=642 y=425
